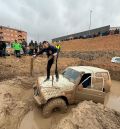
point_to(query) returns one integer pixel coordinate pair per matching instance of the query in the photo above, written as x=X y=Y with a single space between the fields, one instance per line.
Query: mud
x=17 y=107
x=90 y=55
x=88 y=115
x=101 y=59
x=10 y=67
x=15 y=101
x=111 y=42
x=113 y=98
x=34 y=119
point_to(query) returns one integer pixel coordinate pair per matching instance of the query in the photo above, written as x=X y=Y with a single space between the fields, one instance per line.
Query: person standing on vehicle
x=17 y=48
x=51 y=52
x=24 y=46
x=31 y=47
x=36 y=47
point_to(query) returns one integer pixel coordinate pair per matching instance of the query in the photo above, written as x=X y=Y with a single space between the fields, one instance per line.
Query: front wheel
x=52 y=105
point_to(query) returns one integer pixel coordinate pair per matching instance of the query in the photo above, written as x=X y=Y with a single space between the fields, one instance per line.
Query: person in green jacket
x=17 y=48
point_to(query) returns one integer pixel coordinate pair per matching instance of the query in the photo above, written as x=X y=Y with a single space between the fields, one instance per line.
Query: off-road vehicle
x=75 y=84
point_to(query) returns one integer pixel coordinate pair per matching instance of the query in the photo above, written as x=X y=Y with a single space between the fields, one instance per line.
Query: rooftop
x=88 y=69
x=12 y=28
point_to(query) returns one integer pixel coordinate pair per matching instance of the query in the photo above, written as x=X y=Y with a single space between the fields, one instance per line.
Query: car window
x=102 y=74
x=97 y=83
x=71 y=74
x=117 y=59
x=86 y=80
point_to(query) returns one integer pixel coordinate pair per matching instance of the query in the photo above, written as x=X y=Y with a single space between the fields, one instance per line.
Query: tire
x=57 y=103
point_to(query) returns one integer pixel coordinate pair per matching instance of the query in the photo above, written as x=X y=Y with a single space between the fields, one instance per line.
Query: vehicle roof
x=88 y=69
x=115 y=57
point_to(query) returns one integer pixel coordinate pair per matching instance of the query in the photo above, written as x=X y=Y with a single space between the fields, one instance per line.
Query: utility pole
x=37 y=37
x=90 y=21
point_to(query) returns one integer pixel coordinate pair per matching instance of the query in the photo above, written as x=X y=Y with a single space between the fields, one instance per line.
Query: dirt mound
x=89 y=115
x=111 y=42
x=12 y=67
x=15 y=101
x=101 y=59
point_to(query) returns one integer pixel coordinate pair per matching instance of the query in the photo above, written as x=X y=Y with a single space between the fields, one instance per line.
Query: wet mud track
x=34 y=119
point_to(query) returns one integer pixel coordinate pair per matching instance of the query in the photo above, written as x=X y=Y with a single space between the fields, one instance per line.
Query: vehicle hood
x=62 y=83
x=48 y=91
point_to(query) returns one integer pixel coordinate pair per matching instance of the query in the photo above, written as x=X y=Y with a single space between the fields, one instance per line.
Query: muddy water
x=34 y=120
x=113 y=98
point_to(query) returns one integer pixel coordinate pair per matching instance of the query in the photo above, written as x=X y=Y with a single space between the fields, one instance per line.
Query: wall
x=10 y=34
x=93 y=31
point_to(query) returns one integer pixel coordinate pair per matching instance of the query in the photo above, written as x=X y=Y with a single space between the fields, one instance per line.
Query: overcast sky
x=47 y=19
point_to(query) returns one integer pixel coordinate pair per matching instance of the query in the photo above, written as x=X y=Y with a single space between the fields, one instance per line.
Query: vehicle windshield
x=118 y=60
x=71 y=74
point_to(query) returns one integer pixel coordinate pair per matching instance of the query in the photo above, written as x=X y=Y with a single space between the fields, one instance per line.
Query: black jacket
x=49 y=51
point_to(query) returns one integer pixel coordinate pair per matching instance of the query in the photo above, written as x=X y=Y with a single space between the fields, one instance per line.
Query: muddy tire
x=57 y=103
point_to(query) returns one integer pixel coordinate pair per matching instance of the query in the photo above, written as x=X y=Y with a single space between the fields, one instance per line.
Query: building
x=101 y=30
x=8 y=34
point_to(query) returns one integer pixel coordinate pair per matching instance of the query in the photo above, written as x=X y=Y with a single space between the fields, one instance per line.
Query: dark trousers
x=1 y=53
x=4 y=52
x=24 y=50
x=17 y=53
x=49 y=65
x=31 y=52
x=36 y=50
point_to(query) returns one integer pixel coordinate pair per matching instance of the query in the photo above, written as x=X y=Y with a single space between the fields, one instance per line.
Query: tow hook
x=36 y=91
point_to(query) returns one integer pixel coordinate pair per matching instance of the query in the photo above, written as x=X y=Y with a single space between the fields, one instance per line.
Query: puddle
x=34 y=120
x=114 y=102
x=113 y=98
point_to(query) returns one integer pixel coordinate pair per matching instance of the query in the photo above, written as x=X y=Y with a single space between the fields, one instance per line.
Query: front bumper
x=38 y=100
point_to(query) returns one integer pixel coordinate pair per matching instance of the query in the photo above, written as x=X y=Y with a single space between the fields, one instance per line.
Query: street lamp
x=90 y=21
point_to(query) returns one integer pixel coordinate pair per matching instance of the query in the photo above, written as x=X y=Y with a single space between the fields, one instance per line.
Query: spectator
x=1 y=48
x=36 y=47
x=40 y=46
x=24 y=46
x=17 y=48
x=4 y=48
x=31 y=47
x=58 y=46
x=116 y=31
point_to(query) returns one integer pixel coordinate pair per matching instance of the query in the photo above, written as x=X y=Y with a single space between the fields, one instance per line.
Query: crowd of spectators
x=23 y=48
x=110 y=32
x=19 y=48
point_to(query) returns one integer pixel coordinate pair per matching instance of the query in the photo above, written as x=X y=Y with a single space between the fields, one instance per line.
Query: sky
x=48 y=19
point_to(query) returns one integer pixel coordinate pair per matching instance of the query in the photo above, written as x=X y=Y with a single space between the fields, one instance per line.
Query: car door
x=91 y=92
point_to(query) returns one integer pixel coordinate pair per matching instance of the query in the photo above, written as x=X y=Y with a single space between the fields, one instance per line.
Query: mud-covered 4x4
x=75 y=84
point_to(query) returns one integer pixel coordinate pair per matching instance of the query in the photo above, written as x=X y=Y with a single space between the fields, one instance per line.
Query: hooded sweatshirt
x=17 y=46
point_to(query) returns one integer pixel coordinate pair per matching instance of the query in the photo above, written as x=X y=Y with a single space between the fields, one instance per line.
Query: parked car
x=75 y=84
x=115 y=60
